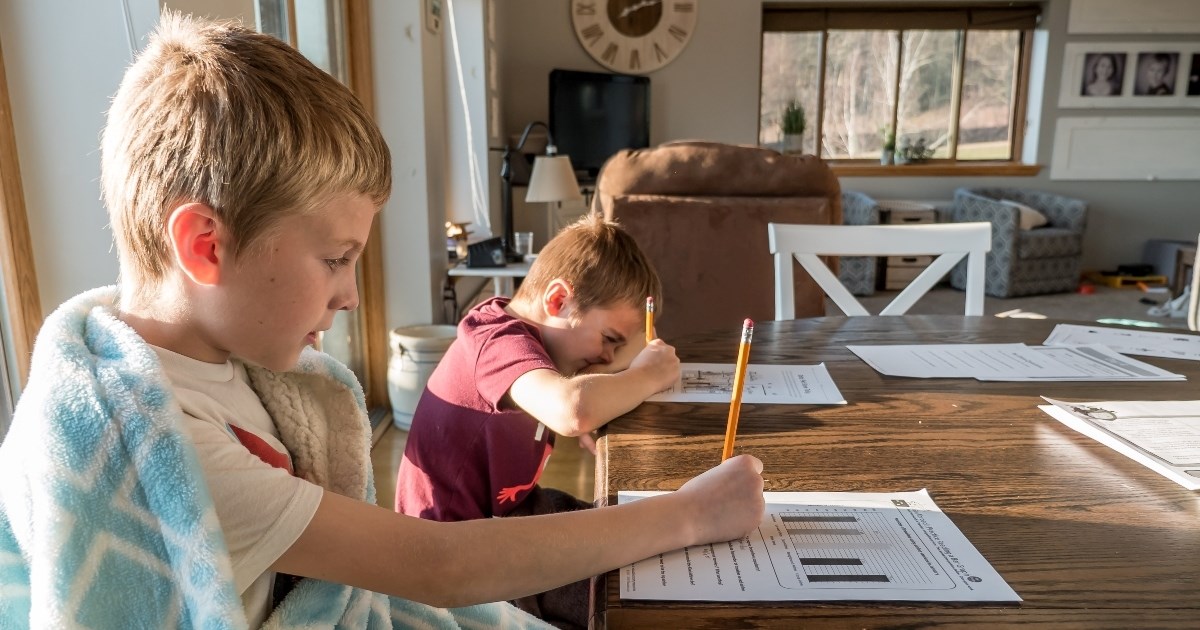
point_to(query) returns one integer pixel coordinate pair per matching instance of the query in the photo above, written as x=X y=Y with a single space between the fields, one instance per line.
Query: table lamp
x=552 y=179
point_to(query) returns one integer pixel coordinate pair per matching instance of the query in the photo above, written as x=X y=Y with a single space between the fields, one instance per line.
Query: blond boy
x=177 y=444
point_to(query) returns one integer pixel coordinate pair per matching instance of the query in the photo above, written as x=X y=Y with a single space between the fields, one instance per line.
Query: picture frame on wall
x=1156 y=73
x=1193 y=84
x=433 y=16
x=1130 y=75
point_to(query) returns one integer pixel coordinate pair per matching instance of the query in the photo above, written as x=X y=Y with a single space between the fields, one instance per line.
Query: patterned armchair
x=1025 y=262
x=857 y=273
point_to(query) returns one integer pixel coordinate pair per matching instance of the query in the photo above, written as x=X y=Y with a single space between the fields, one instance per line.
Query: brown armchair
x=700 y=212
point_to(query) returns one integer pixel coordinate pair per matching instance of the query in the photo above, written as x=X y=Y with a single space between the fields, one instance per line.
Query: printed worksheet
x=1009 y=362
x=781 y=384
x=1168 y=345
x=1162 y=435
x=814 y=546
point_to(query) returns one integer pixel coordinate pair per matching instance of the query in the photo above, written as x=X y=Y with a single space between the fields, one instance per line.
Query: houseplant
x=792 y=125
x=889 y=146
x=914 y=153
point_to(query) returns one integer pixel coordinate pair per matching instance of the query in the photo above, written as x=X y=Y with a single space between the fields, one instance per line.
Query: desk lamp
x=552 y=179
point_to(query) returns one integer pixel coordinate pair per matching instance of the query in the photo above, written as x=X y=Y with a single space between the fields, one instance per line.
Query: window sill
x=945 y=169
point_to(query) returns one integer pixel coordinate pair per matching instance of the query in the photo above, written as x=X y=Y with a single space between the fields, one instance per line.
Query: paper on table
x=1008 y=362
x=821 y=546
x=1162 y=435
x=780 y=384
x=1168 y=345
x=1096 y=363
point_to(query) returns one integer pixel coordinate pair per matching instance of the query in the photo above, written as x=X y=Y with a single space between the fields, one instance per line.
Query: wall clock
x=633 y=36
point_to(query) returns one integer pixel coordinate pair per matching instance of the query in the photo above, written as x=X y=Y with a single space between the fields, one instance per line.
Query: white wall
x=410 y=108
x=711 y=92
x=64 y=60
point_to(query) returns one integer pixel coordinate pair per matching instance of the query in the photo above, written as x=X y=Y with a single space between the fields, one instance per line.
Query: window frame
x=22 y=303
x=897 y=20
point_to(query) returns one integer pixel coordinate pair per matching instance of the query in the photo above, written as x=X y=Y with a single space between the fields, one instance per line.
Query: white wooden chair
x=1193 y=317
x=950 y=241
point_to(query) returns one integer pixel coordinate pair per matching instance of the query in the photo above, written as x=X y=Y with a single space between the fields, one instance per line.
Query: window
x=334 y=35
x=949 y=80
x=20 y=307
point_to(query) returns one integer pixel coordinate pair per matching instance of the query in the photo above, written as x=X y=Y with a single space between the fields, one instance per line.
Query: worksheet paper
x=1162 y=435
x=1168 y=345
x=1009 y=362
x=781 y=384
x=827 y=546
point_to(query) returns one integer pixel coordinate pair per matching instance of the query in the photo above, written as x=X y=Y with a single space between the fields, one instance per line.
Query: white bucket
x=416 y=350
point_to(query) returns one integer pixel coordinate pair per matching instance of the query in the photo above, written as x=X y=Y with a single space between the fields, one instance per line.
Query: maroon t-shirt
x=467 y=457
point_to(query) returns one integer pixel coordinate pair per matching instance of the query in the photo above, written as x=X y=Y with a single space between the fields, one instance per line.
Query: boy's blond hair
x=602 y=263
x=218 y=114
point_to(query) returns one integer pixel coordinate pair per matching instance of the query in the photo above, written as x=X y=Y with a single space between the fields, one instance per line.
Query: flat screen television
x=593 y=115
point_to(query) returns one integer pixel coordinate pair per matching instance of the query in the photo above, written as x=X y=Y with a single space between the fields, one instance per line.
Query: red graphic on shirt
x=263 y=450
x=510 y=494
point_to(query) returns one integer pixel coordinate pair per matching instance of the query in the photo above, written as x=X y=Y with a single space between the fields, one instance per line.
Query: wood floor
x=571 y=467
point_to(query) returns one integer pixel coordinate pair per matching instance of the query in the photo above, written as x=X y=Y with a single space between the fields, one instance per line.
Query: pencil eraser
x=749 y=323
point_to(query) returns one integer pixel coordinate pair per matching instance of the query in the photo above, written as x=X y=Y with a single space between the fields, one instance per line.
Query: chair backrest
x=699 y=211
x=950 y=241
x=1194 y=299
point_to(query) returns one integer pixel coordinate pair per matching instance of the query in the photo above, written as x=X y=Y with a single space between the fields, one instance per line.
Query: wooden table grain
x=1087 y=537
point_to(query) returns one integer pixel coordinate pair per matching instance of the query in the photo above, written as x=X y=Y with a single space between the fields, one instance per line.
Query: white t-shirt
x=262 y=508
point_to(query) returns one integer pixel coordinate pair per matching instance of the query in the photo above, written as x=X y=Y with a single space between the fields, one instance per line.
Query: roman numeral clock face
x=633 y=36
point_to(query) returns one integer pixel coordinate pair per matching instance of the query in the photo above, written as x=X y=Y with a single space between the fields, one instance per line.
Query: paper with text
x=780 y=384
x=1167 y=345
x=820 y=546
x=1009 y=362
x=1162 y=435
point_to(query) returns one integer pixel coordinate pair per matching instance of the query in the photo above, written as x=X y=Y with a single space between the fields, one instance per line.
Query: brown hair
x=602 y=263
x=218 y=114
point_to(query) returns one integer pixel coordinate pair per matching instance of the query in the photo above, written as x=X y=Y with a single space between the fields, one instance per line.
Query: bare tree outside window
x=791 y=63
x=951 y=90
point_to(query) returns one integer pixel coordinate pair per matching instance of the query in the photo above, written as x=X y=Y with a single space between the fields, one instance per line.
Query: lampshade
x=553 y=179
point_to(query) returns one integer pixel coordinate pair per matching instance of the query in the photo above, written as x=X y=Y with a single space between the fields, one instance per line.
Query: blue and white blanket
x=105 y=518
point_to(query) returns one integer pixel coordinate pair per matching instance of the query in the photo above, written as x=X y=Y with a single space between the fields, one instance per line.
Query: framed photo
x=1156 y=73
x=1193 y=76
x=1130 y=74
x=433 y=16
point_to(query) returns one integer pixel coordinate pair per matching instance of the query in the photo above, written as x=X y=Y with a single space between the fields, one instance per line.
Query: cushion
x=1029 y=217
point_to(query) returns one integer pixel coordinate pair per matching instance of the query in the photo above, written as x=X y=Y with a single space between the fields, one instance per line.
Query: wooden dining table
x=1086 y=536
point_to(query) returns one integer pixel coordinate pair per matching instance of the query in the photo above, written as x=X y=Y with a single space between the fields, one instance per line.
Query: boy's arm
x=578 y=404
x=486 y=560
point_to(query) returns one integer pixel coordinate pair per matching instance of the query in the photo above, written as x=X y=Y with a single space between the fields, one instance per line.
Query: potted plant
x=792 y=125
x=889 y=146
x=915 y=153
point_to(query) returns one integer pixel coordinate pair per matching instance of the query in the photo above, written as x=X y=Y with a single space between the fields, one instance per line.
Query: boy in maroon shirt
x=566 y=355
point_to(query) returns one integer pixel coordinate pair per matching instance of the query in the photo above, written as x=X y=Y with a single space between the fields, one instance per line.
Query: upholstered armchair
x=857 y=273
x=699 y=210
x=1025 y=261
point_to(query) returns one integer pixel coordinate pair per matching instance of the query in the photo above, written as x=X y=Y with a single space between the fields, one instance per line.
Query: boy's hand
x=658 y=361
x=588 y=441
x=725 y=502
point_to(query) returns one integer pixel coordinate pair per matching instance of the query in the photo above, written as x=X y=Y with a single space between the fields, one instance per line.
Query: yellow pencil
x=649 y=319
x=739 y=380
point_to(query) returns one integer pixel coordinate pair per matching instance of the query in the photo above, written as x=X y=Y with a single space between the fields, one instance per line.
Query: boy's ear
x=193 y=230
x=556 y=298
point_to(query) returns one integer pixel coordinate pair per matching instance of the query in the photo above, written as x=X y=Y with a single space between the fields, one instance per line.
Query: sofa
x=1039 y=259
x=857 y=273
x=700 y=211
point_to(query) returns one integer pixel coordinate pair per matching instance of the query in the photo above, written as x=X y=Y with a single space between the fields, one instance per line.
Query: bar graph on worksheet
x=826 y=546
x=850 y=547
